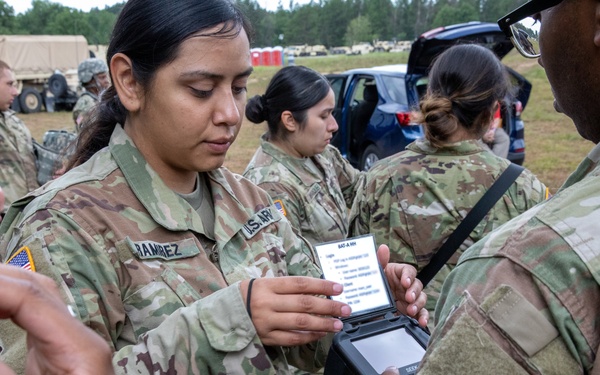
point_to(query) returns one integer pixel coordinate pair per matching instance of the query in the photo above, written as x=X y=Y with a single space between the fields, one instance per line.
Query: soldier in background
x=179 y=264
x=93 y=76
x=414 y=200
x=526 y=299
x=309 y=180
x=18 y=172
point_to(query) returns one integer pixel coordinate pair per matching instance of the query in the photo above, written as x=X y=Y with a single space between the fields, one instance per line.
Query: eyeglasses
x=524 y=30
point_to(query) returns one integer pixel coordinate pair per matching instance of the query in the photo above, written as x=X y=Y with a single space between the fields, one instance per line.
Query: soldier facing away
x=414 y=200
x=526 y=298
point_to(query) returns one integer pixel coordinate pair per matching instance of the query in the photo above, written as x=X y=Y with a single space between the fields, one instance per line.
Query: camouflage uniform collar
x=294 y=164
x=468 y=147
x=166 y=207
x=8 y=113
x=587 y=165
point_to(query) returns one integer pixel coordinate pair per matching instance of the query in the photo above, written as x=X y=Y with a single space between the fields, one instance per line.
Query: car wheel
x=369 y=158
x=30 y=100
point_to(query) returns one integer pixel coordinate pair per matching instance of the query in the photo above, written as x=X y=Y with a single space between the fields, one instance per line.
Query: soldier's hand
x=57 y=343
x=290 y=310
x=406 y=288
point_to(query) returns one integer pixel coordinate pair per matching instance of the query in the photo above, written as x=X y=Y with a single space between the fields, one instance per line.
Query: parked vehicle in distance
x=361 y=48
x=374 y=105
x=317 y=50
x=296 y=51
x=383 y=45
x=340 y=50
x=45 y=68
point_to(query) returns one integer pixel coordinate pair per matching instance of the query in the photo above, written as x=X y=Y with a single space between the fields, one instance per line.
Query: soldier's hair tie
x=248 y=297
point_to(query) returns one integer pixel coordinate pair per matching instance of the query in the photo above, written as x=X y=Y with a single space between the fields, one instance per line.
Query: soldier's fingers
x=299 y=322
x=301 y=285
x=5 y=370
x=423 y=317
x=42 y=281
x=24 y=299
x=301 y=303
x=383 y=255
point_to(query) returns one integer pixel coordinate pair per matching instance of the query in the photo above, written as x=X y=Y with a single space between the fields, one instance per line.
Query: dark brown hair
x=150 y=32
x=465 y=84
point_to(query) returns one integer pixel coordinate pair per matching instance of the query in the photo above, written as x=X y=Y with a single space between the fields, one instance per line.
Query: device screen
x=393 y=348
x=353 y=263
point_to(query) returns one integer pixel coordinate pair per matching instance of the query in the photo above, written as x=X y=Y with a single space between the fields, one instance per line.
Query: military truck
x=45 y=67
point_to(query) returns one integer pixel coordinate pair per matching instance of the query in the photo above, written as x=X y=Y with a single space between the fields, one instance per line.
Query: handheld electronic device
x=375 y=336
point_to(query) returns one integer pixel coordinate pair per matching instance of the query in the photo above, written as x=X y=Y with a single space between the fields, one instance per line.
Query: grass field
x=553 y=146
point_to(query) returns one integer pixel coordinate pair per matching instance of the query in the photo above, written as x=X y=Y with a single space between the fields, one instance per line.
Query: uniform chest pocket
x=156 y=287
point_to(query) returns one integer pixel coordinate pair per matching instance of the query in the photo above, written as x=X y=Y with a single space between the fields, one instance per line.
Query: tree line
x=328 y=22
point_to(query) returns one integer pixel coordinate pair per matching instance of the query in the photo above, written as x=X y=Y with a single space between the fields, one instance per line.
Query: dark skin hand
x=57 y=342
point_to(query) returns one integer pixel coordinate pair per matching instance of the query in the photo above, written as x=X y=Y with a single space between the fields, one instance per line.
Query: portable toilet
x=267 y=56
x=277 y=56
x=256 y=54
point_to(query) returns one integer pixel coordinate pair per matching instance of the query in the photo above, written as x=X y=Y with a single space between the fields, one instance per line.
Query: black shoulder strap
x=467 y=225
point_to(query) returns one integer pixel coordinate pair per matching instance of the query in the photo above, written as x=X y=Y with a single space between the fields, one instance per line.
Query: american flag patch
x=22 y=259
x=279 y=205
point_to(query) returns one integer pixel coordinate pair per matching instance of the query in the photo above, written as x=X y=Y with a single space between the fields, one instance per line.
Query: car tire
x=57 y=84
x=370 y=156
x=30 y=100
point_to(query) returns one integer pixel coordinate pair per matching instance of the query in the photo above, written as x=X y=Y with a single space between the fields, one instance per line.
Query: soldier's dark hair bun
x=256 y=109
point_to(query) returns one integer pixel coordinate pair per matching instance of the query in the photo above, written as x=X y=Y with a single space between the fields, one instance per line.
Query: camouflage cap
x=89 y=67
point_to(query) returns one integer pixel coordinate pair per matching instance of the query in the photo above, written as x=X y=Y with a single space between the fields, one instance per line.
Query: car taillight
x=403 y=118
x=518 y=108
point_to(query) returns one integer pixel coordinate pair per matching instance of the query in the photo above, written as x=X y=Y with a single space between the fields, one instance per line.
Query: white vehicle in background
x=296 y=51
x=317 y=50
x=340 y=50
x=383 y=46
x=402 y=46
x=362 y=48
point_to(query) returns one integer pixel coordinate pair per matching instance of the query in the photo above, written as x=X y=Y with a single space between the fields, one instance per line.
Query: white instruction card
x=353 y=263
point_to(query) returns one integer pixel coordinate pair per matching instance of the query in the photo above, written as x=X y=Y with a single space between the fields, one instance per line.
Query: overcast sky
x=21 y=6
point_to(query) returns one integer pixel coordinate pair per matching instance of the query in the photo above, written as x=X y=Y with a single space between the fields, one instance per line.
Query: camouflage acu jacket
x=415 y=199
x=18 y=173
x=316 y=202
x=86 y=102
x=525 y=299
x=131 y=256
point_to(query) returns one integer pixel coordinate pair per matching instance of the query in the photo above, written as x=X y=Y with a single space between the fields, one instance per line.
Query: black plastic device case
x=344 y=358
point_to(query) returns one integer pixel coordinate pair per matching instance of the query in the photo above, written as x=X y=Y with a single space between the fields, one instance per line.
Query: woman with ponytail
x=415 y=199
x=309 y=180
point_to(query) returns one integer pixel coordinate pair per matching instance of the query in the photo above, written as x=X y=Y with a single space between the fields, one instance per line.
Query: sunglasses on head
x=523 y=29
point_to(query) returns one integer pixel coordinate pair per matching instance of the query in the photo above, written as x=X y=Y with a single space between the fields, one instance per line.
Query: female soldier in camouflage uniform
x=150 y=241
x=309 y=180
x=415 y=199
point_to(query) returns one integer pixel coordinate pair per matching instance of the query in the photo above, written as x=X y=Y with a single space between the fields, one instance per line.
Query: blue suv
x=374 y=105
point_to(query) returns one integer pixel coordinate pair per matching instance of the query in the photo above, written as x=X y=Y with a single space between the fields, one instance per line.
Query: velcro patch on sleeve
x=22 y=259
x=521 y=321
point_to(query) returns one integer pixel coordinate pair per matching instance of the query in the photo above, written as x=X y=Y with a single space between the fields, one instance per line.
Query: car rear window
x=395 y=88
